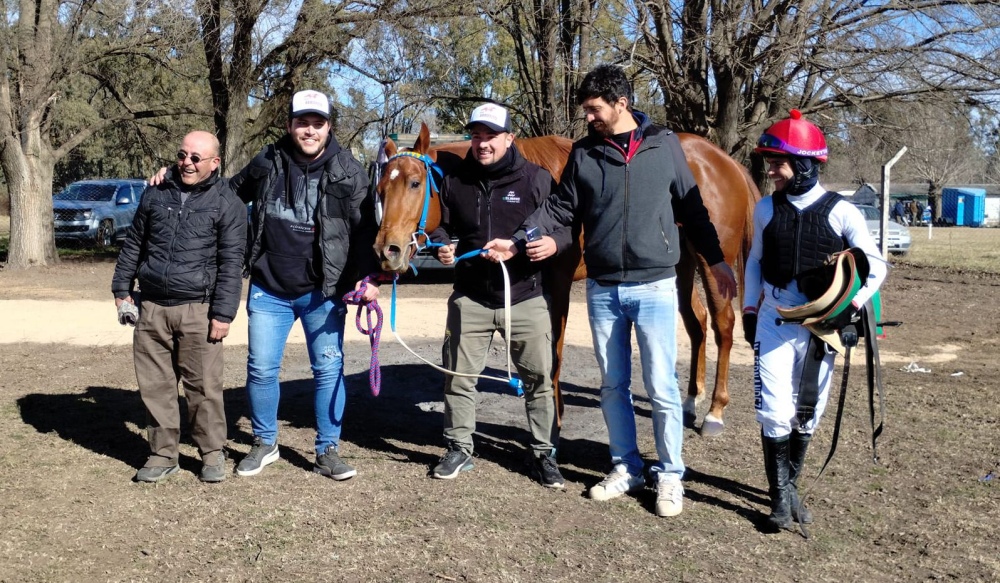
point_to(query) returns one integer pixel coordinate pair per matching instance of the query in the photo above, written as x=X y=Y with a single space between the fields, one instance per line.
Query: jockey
x=796 y=232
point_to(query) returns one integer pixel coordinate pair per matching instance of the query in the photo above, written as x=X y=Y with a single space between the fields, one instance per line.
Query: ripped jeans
x=270 y=320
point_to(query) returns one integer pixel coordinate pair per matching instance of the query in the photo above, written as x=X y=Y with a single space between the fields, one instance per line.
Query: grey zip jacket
x=630 y=206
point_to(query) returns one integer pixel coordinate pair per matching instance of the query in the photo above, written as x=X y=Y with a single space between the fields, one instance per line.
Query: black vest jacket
x=799 y=242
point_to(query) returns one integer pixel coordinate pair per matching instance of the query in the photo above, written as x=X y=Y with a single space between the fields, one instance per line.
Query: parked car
x=899 y=235
x=96 y=212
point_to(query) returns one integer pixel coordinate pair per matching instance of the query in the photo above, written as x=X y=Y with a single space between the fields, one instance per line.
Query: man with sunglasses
x=311 y=240
x=185 y=247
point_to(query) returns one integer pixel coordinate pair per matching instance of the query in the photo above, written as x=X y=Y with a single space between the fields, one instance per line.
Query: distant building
x=871 y=194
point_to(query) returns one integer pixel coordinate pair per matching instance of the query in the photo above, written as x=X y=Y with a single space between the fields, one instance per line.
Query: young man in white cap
x=490 y=195
x=311 y=240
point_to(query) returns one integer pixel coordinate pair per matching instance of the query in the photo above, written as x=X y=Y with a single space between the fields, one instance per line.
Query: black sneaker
x=545 y=470
x=261 y=454
x=330 y=465
x=452 y=463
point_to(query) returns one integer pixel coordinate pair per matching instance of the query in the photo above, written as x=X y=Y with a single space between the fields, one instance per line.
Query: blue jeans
x=270 y=320
x=651 y=308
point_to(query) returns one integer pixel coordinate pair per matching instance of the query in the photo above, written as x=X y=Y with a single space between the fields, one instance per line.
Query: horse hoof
x=712 y=426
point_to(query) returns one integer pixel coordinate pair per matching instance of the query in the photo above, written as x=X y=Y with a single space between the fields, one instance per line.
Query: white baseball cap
x=492 y=116
x=309 y=101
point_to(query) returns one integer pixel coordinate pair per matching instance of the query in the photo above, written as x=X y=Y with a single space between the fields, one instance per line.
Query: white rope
x=507 y=333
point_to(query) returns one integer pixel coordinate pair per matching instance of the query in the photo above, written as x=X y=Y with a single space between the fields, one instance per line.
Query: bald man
x=185 y=248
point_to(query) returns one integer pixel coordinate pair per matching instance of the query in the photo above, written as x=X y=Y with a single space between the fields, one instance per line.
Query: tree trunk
x=32 y=242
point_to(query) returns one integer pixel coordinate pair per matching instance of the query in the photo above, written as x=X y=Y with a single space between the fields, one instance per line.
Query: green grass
x=961 y=248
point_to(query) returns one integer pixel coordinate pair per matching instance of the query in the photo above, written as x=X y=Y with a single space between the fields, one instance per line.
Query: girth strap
x=809 y=380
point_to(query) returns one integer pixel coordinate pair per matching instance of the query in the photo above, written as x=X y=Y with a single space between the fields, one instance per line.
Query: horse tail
x=753 y=195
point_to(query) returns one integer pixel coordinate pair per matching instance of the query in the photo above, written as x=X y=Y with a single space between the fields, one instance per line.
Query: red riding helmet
x=793 y=136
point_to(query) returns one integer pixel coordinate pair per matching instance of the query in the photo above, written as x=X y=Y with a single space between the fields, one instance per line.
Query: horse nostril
x=392 y=251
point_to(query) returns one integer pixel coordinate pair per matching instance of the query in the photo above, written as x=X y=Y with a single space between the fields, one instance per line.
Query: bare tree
x=47 y=45
x=728 y=69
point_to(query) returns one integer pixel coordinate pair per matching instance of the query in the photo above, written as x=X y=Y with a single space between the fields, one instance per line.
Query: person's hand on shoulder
x=159 y=177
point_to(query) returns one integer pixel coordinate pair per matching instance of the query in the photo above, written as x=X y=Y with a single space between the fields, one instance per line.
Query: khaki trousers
x=470 y=328
x=170 y=345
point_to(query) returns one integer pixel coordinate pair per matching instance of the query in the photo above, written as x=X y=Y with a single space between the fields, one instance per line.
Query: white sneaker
x=669 y=495
x=618 y=482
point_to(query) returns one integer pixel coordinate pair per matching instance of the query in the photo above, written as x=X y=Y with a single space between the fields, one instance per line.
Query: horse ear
x=423 y=142
x=389 y=148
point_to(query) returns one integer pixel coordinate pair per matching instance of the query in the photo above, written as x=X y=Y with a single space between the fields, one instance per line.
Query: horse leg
x=559 y=281
x=723 y=321
x=695 y=317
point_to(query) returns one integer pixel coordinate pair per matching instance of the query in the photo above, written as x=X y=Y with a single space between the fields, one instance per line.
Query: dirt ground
x=71 y=436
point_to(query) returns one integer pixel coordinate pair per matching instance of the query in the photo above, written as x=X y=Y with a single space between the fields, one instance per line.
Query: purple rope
x=374 y=332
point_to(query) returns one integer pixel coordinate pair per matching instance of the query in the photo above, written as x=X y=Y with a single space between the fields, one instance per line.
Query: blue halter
x=432 y=170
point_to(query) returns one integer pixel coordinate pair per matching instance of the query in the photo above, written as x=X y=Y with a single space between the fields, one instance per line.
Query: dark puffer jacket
x=190 y=252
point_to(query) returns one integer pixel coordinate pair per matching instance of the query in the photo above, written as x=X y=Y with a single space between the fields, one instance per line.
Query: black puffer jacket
x=475 y=209
x=189 y=252
x=345 y=221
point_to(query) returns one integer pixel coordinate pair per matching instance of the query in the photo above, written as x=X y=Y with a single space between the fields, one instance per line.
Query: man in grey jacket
x=624 y=181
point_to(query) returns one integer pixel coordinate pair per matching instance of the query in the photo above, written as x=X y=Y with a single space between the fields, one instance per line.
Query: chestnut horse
x=729 y=195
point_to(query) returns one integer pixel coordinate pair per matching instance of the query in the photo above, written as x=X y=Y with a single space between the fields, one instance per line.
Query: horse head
x=410 y=206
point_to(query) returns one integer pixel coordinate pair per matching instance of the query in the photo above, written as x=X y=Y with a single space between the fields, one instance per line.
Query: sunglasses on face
x=195 y=158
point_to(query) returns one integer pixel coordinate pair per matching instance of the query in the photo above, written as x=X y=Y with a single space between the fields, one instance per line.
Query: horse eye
x=414 y=184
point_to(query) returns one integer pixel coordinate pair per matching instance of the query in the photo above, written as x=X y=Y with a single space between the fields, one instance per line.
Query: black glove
x=750 y=327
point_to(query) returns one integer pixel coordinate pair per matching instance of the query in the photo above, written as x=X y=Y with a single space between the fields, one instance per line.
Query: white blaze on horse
x=411 y=209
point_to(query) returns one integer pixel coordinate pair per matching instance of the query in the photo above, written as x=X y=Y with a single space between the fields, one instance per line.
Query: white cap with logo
x=492 y=116
x=309 y=101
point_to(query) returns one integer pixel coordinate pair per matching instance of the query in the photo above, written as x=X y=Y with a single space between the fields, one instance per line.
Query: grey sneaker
x=669 y=495
x=261 y=454
x=546 y=471
x=452 y=463
x=618 y=482
x=155 y=473
x=213 y=467
x=330 y=465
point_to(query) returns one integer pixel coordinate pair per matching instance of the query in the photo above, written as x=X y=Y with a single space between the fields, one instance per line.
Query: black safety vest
x=799 y=241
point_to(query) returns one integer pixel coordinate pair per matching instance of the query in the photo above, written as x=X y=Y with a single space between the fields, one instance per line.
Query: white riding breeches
x=779 y=356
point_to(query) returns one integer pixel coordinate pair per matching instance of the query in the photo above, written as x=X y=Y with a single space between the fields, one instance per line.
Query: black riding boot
x=779 y=488
x=798 y=443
